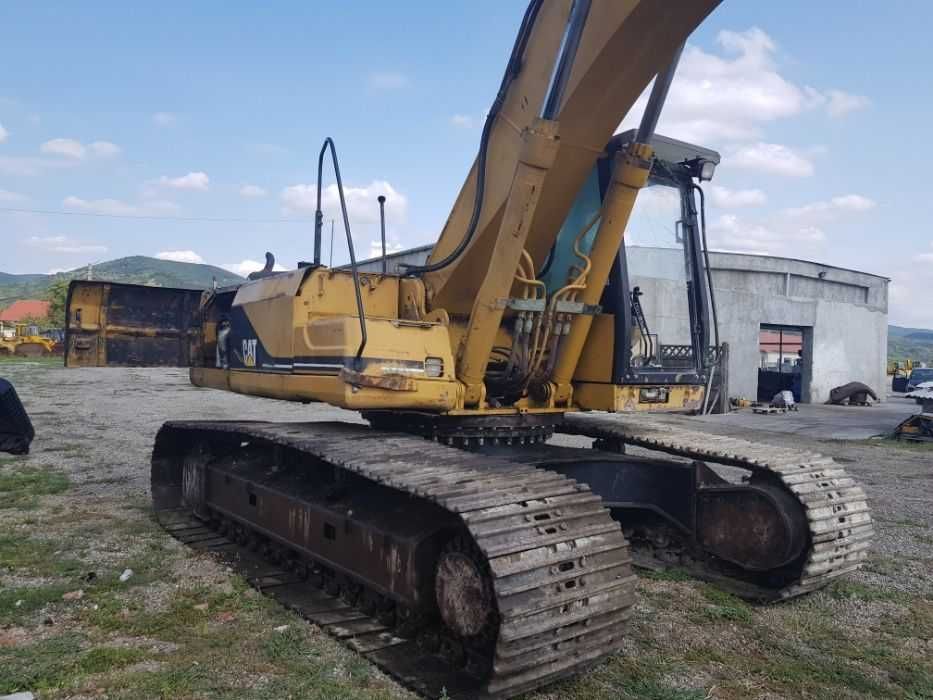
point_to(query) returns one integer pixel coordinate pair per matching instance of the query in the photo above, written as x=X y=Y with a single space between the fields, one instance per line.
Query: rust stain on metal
x=392 y=382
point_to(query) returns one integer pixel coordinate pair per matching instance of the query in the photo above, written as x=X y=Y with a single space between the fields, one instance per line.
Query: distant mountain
x=910 y=343
x=900 y=331
x=137 y=269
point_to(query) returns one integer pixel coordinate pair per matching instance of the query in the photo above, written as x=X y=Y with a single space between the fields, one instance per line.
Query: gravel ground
x=868 y=636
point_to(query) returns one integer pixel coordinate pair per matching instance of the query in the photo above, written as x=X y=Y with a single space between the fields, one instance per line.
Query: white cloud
x=731 y=94
x=244 y=267
x=731 y=233
x=387 y=80
x=853 y=202
x=733 y=199
x=771 y=158
x=104 y=149
x=70 y=148
x=362 y=207
x=63 y=244
x=795 y=231
x=4 y=134
x=839 y=103
x=12 y=197
x=252 y=191
x=164 y=119
x=116 y=207
x=192 y=181
x=113 y=207
x=185 y=256
x=829 y=209
x=463 y=121
x=375 y=248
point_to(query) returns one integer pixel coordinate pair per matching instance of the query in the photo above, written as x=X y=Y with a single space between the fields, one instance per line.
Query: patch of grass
x=180 y=681
x=841 y=590
x=672 y=574
x=796 y=672
x=17 y=603
x=725 y=606
x=917 y=623
x=33 y=556
x=104 y=659
x=40 y=666
x=885 y=566
x=21 y=487
x=894 y=444
x=188 y=613
x=636 y=676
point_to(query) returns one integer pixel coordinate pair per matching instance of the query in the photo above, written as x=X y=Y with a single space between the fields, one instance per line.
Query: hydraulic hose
x=709 y=271
x=712 y=292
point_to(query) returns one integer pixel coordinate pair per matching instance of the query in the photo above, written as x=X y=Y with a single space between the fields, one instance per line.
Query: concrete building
x=824 y=324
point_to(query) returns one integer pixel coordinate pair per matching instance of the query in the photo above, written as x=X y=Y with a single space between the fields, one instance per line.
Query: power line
x=153 y=217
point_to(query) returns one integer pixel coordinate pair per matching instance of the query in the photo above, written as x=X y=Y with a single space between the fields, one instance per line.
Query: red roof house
x=23 y=309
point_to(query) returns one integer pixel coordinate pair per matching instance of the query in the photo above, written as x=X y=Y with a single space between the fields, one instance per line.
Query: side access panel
x=130 y=325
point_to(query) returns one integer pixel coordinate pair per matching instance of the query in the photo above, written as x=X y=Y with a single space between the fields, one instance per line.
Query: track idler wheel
x=464 y=592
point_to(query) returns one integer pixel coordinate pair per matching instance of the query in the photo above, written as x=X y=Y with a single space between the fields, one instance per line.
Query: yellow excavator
x=456 y=541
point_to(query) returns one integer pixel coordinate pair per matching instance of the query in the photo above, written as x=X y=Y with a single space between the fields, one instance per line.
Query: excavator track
x=837 y=511
x=536 y=547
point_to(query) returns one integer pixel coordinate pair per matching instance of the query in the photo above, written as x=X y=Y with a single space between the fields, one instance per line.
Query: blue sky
x=216 y=110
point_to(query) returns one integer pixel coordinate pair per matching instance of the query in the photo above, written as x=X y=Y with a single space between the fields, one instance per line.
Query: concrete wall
x=844 y=313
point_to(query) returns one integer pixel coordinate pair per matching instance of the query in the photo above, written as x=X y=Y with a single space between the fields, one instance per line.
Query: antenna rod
x=382 y=220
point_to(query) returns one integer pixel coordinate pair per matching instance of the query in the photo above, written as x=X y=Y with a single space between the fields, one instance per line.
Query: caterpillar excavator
x=455 y=540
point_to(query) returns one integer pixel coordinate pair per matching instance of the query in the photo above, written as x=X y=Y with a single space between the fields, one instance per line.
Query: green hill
x=137 y=269
x=910 y=343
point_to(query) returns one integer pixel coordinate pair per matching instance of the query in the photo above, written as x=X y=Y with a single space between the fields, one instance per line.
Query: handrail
x=318 y=225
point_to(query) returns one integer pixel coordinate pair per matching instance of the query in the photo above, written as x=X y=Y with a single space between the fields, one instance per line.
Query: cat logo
x=249 y=352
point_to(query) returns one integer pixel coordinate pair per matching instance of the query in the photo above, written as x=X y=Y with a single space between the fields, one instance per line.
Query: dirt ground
x=74 y=516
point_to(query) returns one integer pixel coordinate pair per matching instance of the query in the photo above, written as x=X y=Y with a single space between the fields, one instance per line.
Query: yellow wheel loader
x=23 y=340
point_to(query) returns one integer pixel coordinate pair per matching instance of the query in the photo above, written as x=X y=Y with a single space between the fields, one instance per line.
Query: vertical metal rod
x=662 y=84
x=318 y=223
x=568 y=54
x=318 y=218
x=331 y=263
x=382 y=221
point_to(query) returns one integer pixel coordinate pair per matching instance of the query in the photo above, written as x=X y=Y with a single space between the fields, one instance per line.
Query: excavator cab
x=653 y=337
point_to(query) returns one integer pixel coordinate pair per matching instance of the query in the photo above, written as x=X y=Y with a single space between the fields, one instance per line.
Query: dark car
x=918 y=376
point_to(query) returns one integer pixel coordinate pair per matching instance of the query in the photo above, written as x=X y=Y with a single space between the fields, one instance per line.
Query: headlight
x=433 y=367
x=707 y=169
x=654 y=394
